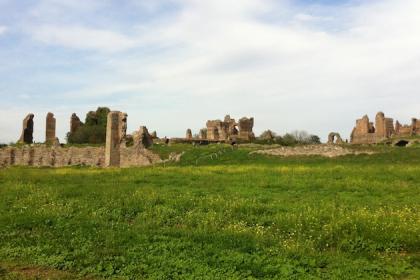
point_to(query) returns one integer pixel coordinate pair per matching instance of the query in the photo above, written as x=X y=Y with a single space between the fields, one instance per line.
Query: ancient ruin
x=366 y=132
x=27 y=130
x=203 y=133
x=115 y=137
x=408 y=130
x=245 y=129
x=188 y=134
x=335 y=138
x=267 y=135
x=114 y=153
x=228 y=129
x=50 y=129
x=75 y=123
x=142 y=138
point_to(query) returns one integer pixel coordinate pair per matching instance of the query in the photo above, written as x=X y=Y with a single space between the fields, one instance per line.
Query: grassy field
x=217 y=214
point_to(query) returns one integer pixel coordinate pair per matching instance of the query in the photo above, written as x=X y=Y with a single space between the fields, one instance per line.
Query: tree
x=267 y=135
x=289 y=140
x=314 y=139
x=94 y=129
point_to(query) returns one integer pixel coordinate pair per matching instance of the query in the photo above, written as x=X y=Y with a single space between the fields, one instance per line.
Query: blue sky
x=173 y=64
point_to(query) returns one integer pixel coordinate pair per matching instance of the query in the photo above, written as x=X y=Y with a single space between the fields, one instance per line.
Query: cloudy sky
x=314 y=65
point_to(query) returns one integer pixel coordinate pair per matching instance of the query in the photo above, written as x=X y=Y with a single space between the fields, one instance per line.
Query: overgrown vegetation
x=297 y=137
x=230 y=216
x=93 y=131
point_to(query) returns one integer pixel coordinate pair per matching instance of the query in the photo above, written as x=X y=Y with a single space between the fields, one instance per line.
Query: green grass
x=230 y=216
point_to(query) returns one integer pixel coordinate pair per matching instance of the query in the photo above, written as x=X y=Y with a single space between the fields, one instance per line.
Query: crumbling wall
x=365 y=133
x=50 y=156
x=137 y=156
x=384 y=127
x=228 y=129
x=27 y=130
x=42 y=155
x=408 y=130
x=245 y=129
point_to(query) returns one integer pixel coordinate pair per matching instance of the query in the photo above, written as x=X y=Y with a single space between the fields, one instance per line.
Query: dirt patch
x=311 y=150
x=34 y=272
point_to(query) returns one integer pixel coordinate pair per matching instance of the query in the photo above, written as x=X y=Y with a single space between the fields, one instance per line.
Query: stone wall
x=366 y=133
x=228 y=129
x=50 y=156
x=408 y=130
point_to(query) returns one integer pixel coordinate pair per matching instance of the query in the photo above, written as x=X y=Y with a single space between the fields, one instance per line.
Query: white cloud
x=307 y=17
x=268 y=59
x=3 y=29
x=78 y=37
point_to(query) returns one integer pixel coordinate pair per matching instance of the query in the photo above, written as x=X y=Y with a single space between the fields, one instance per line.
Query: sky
x=314 y=65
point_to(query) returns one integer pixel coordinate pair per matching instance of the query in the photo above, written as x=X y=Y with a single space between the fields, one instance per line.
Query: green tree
x=94 y=129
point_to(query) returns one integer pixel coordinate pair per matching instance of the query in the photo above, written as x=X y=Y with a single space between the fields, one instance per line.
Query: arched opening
x=335 y=138
x=402 y=143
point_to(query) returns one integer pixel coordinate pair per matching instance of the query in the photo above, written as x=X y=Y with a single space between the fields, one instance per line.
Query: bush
x=88 y=135
x=289 y=140
x=314 y=139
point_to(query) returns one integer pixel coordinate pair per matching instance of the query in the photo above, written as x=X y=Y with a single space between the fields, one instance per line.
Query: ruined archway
x=335 y=138
x=402 y=143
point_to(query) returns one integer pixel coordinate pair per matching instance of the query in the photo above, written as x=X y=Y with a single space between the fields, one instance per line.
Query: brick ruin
x=50 y=129
x=75 y=123
x=335 y=138
x=115 y=136
x=229 y=129
x=114 y=154
x=366 y=132
x=27 y=130
x=188 y=134
x=408 y=130
x=142 y=138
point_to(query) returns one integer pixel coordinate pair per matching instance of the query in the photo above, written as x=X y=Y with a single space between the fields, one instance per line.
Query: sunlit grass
x=236 y=216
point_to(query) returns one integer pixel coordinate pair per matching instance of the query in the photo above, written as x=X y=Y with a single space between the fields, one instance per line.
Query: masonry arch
x=335 y=138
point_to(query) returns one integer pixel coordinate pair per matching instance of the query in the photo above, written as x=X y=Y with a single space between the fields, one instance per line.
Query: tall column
x=50 y=129
x=27 y=130
x=115 y=135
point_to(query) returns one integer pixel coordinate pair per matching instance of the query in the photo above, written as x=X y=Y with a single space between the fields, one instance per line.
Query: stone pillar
x=189 y=135
x=142 y=138
x=27 y=130
x=413 y=126
x=380 y=125
x=115 y=135
x=75 y=123
x=397 y=128
x=50 y=129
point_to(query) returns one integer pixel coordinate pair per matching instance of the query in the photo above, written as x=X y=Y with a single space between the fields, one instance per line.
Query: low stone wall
x=132 y=156
x=370 y=138
x=42 y=155
x=311 y=150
